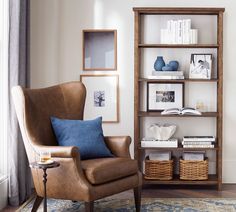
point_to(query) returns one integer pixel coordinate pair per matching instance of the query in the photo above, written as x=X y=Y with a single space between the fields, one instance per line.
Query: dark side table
x=44 y=167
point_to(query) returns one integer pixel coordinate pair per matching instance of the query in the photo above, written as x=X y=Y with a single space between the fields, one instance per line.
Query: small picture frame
x=200 y=66
x=161 y=96
x=99 y=50
x=102 y=97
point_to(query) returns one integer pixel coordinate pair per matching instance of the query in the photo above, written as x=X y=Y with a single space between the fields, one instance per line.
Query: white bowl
x=162 y=132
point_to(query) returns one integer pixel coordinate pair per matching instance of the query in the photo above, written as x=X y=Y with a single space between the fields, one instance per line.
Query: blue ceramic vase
x=159 y=63
x=167 y=68
x=174 y=64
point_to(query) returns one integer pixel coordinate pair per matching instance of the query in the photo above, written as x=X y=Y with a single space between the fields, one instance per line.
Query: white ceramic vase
x=162 y=132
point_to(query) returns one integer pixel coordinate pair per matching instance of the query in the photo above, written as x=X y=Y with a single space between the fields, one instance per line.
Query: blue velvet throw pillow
x=87 y=135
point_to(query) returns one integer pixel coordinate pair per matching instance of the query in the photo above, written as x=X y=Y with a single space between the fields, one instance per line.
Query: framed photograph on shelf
x=200 y=66
x=102 y=97
x=99 y=50
x=161 y=96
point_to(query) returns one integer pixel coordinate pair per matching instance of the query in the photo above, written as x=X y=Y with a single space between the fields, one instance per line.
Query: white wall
x=56 y=53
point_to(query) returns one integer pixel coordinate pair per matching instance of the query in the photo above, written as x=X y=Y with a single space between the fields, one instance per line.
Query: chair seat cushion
x=103 y=170
x=87 y=135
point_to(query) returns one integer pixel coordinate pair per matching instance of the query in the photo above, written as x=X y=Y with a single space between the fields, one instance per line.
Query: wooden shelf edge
x=178 y=148
x=178 y=80
x=158 y=114
x=143 y=45
x=212 y=180
x=179 y=10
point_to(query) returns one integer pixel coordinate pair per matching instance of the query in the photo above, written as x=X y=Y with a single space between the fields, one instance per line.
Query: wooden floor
x=174 y=191
x=157 y=191
x=161 y=191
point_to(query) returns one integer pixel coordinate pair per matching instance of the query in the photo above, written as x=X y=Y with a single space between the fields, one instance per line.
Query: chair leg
x=37 y=203
x=137 y=197
x=89 y=206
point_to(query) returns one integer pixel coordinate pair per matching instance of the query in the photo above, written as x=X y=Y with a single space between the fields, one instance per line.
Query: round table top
x=36 y=165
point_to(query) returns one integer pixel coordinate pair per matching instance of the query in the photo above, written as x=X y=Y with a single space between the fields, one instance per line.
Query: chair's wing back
x=34 y=107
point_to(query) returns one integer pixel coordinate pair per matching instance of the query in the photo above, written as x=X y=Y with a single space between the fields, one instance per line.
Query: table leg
x=45 y=190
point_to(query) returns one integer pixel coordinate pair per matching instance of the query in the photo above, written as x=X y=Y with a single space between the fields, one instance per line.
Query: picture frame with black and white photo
x=200 y=66
x=162 y=96
x=102 y=97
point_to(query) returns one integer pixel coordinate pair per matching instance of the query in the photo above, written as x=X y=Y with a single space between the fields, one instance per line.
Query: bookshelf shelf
x=179 y=80
x=212 y=180
x=158 y=114
x=178 y=10
x=176 y=148
x=145 y=46
x=201 y=46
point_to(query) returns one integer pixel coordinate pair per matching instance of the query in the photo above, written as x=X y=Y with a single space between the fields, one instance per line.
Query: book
x=198 y=146
x=197 y=142
x=160 y=155
x=173 y=142
x=194 y=155
x=193 y=36
x=184 y=32
x=172 y=36
x=167 y=73
x=187 y=30
x=181 y=111
x=165 y=77
x=179 y=32
x=199 y=138
x=168 y=32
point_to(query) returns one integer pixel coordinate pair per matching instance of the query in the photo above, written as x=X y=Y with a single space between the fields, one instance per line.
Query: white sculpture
x=162 y=132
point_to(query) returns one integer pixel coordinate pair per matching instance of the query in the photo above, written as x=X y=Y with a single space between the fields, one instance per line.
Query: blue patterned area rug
x=148 y=204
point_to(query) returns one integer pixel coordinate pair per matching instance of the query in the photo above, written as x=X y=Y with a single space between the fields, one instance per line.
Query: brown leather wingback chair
x=74 y=179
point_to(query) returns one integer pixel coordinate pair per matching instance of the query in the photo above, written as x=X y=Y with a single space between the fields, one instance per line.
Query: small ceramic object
x=159 y=63
x=167 y=68
x=162 y=132
x=174 y=64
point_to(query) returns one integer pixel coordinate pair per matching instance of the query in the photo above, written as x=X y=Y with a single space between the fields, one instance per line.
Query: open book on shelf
x=181 y=111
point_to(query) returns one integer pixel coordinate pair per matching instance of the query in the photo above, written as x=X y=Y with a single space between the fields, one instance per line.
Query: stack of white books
x=196 y=155
x=167 y=75
x=151 y=142
x=164 y=155
x=179 y=32
x=198 y=141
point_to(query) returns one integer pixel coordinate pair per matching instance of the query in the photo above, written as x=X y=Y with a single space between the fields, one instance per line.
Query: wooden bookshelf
x=140 y=81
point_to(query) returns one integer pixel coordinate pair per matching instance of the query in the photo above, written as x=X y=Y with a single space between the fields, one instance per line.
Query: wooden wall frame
x=99 y=44
x=92 y=110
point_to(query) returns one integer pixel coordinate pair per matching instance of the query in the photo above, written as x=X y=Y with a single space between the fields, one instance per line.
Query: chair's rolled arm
x=119 y=145
x=69 y=172
x=60 y=151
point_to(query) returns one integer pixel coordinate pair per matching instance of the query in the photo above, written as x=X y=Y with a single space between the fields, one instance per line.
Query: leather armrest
x=118 y=145
x=69 y=172
x=60 y=151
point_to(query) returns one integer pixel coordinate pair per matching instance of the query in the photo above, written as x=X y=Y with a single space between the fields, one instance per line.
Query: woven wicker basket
x=158 y=170
x=193 y=170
